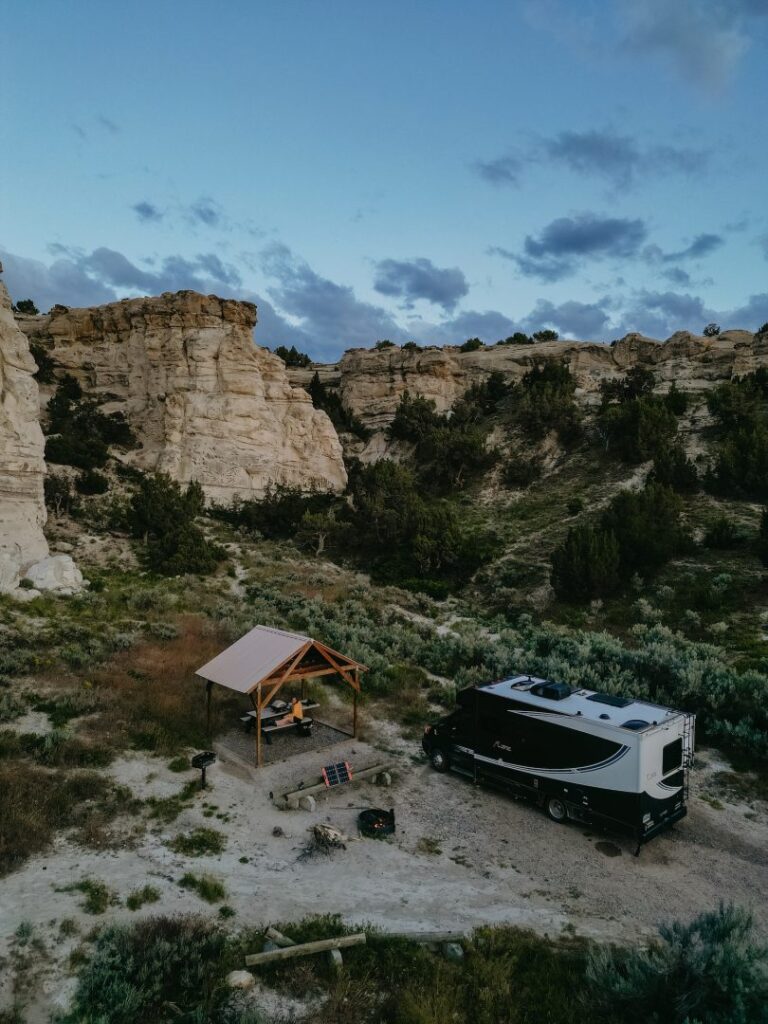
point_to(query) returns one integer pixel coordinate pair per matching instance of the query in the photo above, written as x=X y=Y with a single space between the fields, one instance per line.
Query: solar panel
x=337 y=774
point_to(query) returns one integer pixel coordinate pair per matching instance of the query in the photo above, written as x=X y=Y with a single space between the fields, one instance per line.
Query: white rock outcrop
x=56 y=572
x=204 y=401
x=22 y=467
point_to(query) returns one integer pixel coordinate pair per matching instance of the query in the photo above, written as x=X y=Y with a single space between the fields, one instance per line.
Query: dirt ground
x=462 y=856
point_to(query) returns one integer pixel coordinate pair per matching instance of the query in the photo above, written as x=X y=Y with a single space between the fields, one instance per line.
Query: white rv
x=593 y=757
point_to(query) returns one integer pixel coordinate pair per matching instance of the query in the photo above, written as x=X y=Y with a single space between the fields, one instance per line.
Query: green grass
x=166 y=809
x=136 y=899
x=97 y=895
x=200 y=842
x=207 y=887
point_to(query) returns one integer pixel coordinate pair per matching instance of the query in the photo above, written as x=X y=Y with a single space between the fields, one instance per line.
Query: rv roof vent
x=635 y=723
x=605 y=716
x=552 y=691
x=611 y=699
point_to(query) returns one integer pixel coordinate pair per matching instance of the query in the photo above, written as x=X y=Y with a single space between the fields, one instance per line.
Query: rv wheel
x=556 y=809
x=439 y=760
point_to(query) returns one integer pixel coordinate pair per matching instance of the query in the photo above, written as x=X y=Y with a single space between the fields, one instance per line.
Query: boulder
x=56 y=572
x=240 y=979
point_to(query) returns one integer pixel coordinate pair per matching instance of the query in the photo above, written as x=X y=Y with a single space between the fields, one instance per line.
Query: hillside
x=591 y=514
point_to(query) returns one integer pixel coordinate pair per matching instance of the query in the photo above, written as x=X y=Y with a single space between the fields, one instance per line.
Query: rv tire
x=439 y=760
x=556 y=809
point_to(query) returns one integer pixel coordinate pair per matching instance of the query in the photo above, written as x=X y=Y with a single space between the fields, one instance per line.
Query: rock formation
x=22 y=508
x=23 y=547
x=204 y=401
x=371 y=382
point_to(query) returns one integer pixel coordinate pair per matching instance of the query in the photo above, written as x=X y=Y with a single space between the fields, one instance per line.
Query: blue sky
x=429 y=170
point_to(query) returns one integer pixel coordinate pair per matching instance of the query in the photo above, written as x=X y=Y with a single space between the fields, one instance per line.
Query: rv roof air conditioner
x=552 y=691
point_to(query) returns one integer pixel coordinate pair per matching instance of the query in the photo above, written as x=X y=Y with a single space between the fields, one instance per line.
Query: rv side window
x=672 y=756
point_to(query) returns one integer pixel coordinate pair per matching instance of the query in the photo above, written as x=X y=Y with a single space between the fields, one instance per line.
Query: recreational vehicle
x=592 y=757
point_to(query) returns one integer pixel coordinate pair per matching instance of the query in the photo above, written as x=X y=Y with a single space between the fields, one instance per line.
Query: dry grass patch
x=35 y=803
x=150 y=698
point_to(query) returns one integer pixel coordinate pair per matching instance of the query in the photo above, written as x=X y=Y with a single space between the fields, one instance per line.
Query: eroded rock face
x=372 y=382
x=22 y=468
x=204 y=401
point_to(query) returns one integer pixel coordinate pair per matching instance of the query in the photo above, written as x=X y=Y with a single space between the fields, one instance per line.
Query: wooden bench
x=303 y=727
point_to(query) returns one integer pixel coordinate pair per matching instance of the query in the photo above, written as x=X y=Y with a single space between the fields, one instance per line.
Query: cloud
x=660 y=314
x=100 y=122
x=675 y=275
x=577 y=319
x=206 y=211
x=703 y=40
x=147 y=212
x=107 y=124
x=567 y=241
x=61 y=281
x=78 y=278
x=328 y=312
x=504 y=170
x=419 y=278
x=602 y=153
x=701 y=246
x=619 y=158
x=489 y=326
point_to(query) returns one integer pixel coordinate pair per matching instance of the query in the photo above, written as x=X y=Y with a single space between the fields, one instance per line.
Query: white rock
x=56 y=572
x=24 y=594
x=203 y=400
x=240 y=979
x=22 y=508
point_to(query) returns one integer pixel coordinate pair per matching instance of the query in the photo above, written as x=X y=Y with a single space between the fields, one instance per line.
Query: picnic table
x=272 y=713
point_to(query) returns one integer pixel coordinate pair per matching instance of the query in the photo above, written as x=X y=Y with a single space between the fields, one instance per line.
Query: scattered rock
x=240 y=979
x=24 y=594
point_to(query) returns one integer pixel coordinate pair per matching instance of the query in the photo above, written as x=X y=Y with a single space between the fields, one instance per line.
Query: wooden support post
x=354 y=714
x=305 y=949
x=208 y=689
x=258 y=727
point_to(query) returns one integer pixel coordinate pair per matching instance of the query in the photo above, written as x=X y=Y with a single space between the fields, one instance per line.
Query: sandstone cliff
x=205 y=403
x=372 y=382
x=22 y=508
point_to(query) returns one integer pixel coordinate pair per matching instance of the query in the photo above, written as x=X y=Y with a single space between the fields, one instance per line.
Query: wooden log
x=278 y=938
x=305 y=949
x=320 y=787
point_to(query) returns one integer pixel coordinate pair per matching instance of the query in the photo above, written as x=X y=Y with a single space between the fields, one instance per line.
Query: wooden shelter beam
x=271 y=694
x=344 y=672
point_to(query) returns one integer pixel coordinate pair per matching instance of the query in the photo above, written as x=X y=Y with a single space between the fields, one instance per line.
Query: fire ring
x=375 y=822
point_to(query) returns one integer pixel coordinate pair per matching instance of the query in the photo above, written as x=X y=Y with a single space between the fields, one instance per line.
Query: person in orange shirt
x=294 y=714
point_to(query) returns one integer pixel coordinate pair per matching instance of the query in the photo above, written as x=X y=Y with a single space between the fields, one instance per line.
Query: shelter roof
x=256 y=656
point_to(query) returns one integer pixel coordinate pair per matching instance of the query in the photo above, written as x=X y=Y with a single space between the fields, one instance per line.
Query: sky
x=430 y=170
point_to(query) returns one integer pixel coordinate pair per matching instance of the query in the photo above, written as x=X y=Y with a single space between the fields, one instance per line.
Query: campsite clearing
x=461 y=857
